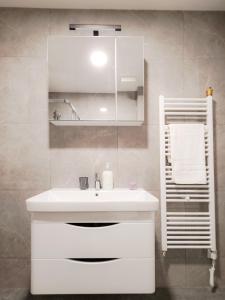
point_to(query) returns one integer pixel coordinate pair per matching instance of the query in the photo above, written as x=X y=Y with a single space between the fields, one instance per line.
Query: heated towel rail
x=187 y=210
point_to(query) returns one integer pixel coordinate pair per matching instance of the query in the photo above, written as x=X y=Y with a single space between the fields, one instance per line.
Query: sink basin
x=75 y=200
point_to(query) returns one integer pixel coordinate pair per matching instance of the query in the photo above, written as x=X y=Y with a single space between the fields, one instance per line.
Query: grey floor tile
x=160 y=294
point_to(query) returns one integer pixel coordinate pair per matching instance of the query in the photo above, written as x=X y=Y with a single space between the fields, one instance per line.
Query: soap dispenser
x=107 y=178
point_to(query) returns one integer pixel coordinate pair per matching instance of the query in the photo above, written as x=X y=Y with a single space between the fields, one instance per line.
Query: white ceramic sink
x=72 y=200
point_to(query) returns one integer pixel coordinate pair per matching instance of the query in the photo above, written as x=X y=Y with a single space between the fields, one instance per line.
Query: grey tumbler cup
x=83 y=183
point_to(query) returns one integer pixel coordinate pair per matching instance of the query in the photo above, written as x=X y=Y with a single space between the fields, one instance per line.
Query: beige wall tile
x=14 y=273
x=15 y=293
x=204 y=34
x=23 y=90
x=14 y=224
x=24 y=157
x=165 y=34
x=90 y=137
x=23 y=32
x=67 y=165
x=133 y=137
x=199 y=74
x=220 y=222
x=219 y=156
x=138 y=164
x=170 y=272
x=220 y=272
x=197 y=271
x=164 y=77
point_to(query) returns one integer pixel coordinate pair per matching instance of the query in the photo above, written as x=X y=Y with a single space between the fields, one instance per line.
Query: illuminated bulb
x=98 y=58
x=103 y=109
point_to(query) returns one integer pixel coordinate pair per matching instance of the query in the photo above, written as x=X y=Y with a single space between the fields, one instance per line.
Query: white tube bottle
x=107 y=178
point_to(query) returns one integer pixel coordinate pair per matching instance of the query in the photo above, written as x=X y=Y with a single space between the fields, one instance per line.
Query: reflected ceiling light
x=103 y=109
x=98 y=58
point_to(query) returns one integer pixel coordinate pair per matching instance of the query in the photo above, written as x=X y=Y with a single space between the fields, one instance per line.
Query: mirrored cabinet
x=96 y=81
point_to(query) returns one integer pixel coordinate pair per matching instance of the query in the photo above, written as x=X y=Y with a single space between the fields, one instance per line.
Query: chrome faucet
x=98 y=185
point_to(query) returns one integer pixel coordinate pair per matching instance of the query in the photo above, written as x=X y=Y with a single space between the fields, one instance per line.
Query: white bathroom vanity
x=92 y=242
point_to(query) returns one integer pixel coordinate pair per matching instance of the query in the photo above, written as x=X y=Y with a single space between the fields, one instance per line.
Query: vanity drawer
x=64 y=276
x=87 y=240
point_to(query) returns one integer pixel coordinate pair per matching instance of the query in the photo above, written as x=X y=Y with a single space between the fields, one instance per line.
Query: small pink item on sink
x=132 y=185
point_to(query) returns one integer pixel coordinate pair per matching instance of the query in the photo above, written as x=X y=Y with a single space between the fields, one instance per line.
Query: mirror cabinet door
x=96 y=78
x=82 y=78
x=130 y=78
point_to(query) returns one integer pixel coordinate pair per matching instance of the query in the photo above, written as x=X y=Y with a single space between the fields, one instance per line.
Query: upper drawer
x=92 y=240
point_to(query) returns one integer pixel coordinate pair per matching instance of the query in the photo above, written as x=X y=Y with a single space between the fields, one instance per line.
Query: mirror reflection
x=95 y=78
x=130 y=78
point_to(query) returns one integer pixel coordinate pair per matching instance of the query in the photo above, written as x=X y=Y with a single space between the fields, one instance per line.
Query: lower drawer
x=66 y=276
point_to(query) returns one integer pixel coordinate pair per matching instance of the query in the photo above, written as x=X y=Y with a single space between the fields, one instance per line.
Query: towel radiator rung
x=186 y=238
x=181 y=105
x=189 y=247
x=185 y=109
x=187 y=201
x=169 y=177
x=186 y=191
x=184 y=218
x=185 y=113
x=173 y=196
x=188 y=242
x=200 y=186
x=186 y=223
x=188 y=228
x=185 y=213
x=193 y=233
x=182 y=99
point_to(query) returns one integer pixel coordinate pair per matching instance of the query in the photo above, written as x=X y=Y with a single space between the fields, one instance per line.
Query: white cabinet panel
x=113 y=240
x=63 y=276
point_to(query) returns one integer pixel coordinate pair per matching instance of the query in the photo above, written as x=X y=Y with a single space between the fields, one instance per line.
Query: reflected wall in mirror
x=130 y=78
x=96 y=78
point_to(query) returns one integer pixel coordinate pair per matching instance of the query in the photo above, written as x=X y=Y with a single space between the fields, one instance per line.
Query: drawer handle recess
x=92 y=260
x=92 y=224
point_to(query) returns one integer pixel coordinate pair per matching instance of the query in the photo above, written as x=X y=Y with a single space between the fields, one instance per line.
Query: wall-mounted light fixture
x=95 y=28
